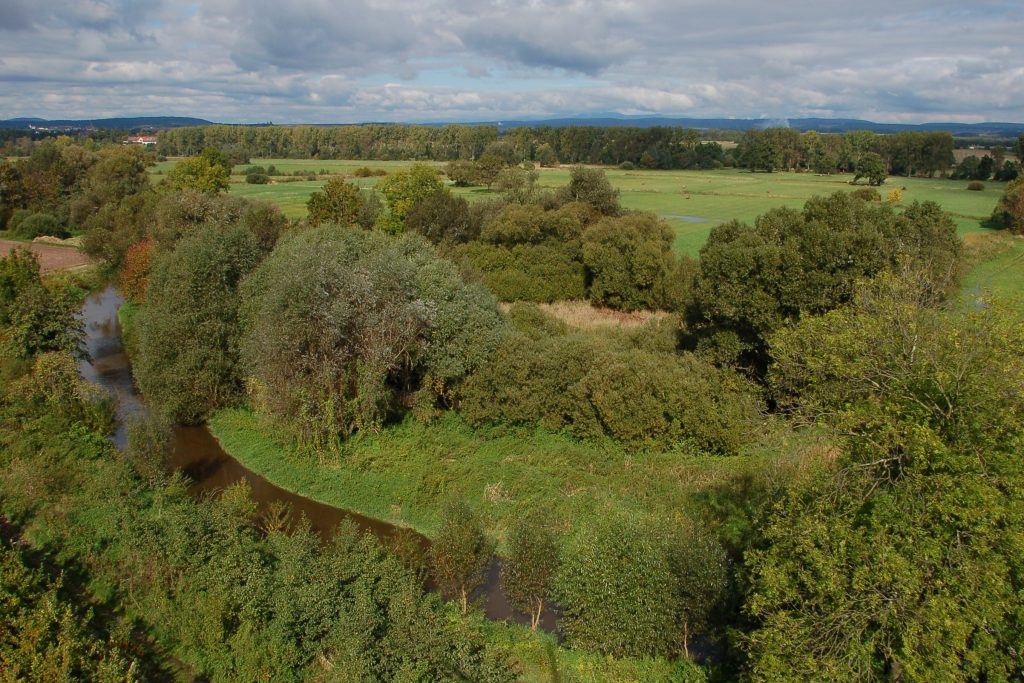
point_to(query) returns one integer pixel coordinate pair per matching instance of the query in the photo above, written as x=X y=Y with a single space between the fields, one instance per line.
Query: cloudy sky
x=422 y=60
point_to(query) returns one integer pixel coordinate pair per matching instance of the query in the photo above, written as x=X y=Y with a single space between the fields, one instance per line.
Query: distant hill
x=995 y=129
x=125 y=123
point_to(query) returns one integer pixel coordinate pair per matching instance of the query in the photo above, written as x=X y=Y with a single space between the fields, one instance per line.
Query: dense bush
x=188 y=332
x=527 y=272
x=442 y=218
x=570 y=382
x=257 y=178
x=868 y=194
x=629 y=261
x=791 y=263
x=342 y=327
x=975 y=186
x=614 y=589
x=37 y=225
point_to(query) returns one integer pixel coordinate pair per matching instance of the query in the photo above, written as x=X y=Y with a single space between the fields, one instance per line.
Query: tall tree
x=529 y=569
x=460 y=554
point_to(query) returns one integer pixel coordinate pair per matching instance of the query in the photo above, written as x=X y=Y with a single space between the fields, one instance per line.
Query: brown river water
x=210 y=469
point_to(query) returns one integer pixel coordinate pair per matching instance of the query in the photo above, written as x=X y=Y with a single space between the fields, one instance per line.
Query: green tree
x=1010 y=209
x=872 y=167
x=591 y=186
x=33 y=317
x=629 y=260
x=901 y=559
x=201 y=174
x=700 y=569
x=188 y=332
x=342 y=326
x=528 y=571
x=460 y=554
x=614 y=588
x=337 y=202
x=791 y=263
x=402 y=190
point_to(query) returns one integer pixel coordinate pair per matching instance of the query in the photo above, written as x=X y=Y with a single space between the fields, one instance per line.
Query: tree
x=201 y=174
x=872 y=167
x=591 y=186
x=629 y=260
x=529 y=569
x=901 y=559
x=793 y=263
x=402 y=190
x=343 y=327
x=545 y=155
x=34 y=318
x=614 y=588
x=337 y=202
x=700 y=569
x=460 y=554
x=518 y=184
x=188 y=331
x=443 y=218
x=1010 y=209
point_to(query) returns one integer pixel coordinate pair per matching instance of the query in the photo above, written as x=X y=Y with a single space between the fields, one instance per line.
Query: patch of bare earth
x=582 y=315
x=51 y=257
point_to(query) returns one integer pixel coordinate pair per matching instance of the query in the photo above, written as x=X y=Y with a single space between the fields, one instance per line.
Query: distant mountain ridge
x=998 y=129
x=127 y=123
x=603 y=120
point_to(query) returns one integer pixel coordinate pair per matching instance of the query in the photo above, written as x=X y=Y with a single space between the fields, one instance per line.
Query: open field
x=998 y=267
x=692 y=201
x=51 y=257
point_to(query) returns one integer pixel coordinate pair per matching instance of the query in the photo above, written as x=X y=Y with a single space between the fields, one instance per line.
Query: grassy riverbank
x=408 y=472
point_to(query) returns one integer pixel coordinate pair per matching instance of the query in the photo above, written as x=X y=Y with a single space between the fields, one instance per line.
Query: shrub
x=134 y=278
x=614 y=590
x=868 y=194
x=527 y=272
x=627 y=166
x=629 y=261
x=634 y=396
x=37 y=225
x=257 y=178
x=975 y=186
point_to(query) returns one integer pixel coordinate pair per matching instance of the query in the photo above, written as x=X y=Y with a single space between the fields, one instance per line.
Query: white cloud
x=321 y=61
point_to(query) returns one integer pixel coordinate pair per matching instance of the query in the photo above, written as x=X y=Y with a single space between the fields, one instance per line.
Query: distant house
x=141 y=140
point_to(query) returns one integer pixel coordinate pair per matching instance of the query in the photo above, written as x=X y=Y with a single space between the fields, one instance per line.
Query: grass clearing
x=407 y=473
x=997 y=266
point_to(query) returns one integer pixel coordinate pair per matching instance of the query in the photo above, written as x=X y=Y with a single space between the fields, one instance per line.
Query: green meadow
x=692 y=202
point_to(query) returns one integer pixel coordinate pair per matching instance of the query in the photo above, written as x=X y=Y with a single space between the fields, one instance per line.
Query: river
x=210 y=469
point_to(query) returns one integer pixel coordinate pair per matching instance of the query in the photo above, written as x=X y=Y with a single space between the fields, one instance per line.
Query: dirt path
x=50 y=257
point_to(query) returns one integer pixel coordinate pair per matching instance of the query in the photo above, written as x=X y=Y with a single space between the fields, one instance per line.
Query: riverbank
x=407 y=473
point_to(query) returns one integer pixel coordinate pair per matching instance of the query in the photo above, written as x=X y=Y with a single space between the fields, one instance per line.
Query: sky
x=341 y=61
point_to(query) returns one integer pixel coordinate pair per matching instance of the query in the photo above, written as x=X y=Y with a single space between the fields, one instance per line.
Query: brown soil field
x=50 y=257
